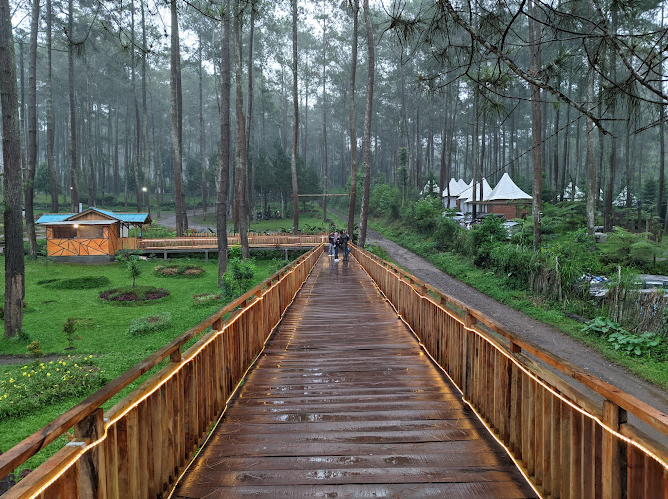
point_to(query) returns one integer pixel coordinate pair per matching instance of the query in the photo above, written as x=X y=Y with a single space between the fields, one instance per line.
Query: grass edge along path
x=491 y=285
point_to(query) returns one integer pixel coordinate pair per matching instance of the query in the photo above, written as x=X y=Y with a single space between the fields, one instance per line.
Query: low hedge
x=150 y=324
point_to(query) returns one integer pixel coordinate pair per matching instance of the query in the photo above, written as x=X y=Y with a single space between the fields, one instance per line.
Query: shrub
x=238 y=277
x=385 y=201
x=69 y=328
x=150 y=324
x=203 y=299
x=136 y=295
x=603 y=326
x=33 y=387
x=449 y=234
x=85 y=282
x=634 y=344
x=426 y=213
x=484 y=236
x=188 y=270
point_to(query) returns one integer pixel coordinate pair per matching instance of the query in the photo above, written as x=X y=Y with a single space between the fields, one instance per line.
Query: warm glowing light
x=144 y=189
x=594 y=418
x=215 y=334
x=76 y=226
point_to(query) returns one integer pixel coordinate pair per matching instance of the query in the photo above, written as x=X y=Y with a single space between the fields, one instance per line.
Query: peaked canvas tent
x=573 y=193
x=620 y=200
x=507 y=199
x=456 y=189
x=465 y=200
x=95 y=235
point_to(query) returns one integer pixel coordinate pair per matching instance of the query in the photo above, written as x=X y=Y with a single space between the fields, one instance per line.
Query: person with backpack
x=331 y=244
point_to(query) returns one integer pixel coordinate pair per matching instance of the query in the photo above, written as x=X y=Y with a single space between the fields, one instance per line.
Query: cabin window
x=64 y=232
x=90 y=232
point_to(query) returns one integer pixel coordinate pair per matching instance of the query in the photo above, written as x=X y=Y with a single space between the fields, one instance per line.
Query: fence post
x=469 y=322
x=91 y=465
x=613 y=460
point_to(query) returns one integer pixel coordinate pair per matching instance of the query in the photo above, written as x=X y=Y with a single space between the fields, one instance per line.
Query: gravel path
x=534 y=331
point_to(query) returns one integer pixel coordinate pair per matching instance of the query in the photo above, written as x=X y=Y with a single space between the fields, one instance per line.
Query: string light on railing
x=215 y=334
x=556 y=394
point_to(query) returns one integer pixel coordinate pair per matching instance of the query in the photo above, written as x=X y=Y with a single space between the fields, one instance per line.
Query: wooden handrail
x=34 y=443
x=565 y=442
x=645 y=412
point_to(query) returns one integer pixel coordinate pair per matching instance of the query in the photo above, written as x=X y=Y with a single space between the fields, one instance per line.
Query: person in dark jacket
x=344 y=238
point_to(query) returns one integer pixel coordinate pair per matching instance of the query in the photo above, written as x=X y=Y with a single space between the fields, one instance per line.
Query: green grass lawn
x=101 y=326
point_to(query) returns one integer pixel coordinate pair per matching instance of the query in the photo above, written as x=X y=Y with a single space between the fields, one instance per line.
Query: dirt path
x=169 y=220
x=535 y=331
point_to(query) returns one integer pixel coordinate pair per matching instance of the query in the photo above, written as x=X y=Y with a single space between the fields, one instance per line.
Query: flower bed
x=188 y=270
x=134 y=295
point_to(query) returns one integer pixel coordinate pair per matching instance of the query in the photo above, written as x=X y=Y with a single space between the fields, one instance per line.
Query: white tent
x=620 y=200
x=506 y=190
x=465 y=200
x=455 y=190
x=434 y=188
x=568 y=193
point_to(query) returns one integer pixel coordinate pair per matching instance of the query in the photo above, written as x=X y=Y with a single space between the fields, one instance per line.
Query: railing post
x=469 y=322
x=91 y=465
x=613 y=480
x=515 y=348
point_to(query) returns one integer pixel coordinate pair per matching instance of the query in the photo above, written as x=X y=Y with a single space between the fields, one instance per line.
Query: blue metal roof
x=123 y=217
x=53 y=217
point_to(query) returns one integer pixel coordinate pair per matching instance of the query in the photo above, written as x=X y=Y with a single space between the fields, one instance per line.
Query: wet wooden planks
x=344 y=403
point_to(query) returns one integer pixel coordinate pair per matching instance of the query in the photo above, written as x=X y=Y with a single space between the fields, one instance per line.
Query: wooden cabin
x=94 y=235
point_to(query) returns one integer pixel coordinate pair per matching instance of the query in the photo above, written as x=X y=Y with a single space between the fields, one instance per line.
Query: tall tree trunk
x=353 y=131
x=591 y=160
x=241 y=155
x=555 y=156
x=11 y=155
x=202 y=138
x=325 y=165
x=50 y=121
x=137 y=157
x=177 y=124
x=29 y=180
x=536 y=125
x=249 y=114
x=295 y=122
x=74 y=193
x=225 y=138
x=364 y=211
x=144 y=107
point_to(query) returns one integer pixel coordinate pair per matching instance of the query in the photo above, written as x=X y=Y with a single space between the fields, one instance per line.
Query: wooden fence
x=139 y=447
x=567 y=444
x=268 y=241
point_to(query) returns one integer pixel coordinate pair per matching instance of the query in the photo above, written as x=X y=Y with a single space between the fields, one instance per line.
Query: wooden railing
x=212 y=242
x=139 y=447
x=565 y=442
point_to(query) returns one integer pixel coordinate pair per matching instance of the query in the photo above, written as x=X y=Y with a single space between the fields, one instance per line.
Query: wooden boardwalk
x=344 y=403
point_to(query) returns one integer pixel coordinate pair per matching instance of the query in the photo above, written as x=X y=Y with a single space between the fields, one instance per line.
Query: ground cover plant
x=547 y=285
x=179 y=270
x=102 y=327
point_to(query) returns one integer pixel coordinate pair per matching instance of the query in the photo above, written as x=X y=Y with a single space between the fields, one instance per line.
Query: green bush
x=385 y=201
x=203 y=299
x=183 y=270
x=85 y=282
x=133 y=296
x=449 y=234
x=30 y=388
x=425 y=214
x=150 y=324
x=485 y=236
x=238 y=277
x=603 y=326
x=634 y=344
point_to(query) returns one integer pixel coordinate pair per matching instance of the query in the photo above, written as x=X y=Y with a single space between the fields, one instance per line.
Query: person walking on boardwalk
x=337 y=242
x=344 y=238
x=331 y=244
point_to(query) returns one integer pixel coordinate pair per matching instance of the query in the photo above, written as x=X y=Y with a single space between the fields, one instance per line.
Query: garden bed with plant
x=74 y=326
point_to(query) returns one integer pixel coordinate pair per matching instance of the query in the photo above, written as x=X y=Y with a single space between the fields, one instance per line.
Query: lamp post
x=145 y=191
